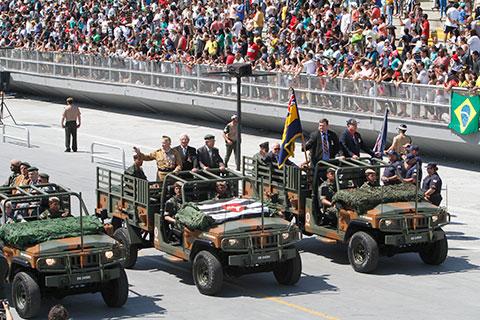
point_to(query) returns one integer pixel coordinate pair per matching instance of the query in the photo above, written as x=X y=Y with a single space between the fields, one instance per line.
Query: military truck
x=238 y=241
x=385 y=226
x=41 y=259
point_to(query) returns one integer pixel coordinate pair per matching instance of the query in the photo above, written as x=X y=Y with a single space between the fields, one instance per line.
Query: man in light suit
x=188 y=154
x=208 y=156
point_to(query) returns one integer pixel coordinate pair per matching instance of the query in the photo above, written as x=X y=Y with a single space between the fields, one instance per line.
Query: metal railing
x=24 y=139
x=405 y=100
x=94 y=154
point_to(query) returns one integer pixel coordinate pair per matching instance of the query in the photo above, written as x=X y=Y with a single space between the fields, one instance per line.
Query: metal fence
x=409 y=101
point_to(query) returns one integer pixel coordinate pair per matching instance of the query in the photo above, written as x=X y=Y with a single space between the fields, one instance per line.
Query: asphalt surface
x=162 y=287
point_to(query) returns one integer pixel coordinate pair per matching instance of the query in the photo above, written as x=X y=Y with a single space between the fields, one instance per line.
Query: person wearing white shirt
x=473 y=42
x=451 y=23
x=309 y=65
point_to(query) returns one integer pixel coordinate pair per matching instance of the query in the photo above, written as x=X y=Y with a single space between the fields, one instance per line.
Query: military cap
x=402 y=127
x=330 y=170
x=264 y=145
x=410 y=156
x=369 y=171
x=352 y=121
x=32 y=169
x=432 y=165
x=26 y=164
x=392 y=152
x=413 y=147
x=44 y=175
x=209 y=137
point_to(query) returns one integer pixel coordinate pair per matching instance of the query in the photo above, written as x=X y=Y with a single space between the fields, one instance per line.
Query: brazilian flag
x=465 y=113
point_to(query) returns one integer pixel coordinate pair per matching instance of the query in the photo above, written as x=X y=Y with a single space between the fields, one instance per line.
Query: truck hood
x=396 y=208
x=72 y=244
x=251 y=224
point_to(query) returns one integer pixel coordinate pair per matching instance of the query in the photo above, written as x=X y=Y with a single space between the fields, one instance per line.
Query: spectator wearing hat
x=15 y=168
x=187 y=153
x=371 y=179
x=262 y=156
x=432 y=185
x=351 y=141
x=323 y=144
x=33 y=175
x=136 y=170
x=401 y=141
x=395 y=171
x=208 y=156
x=326 y=191
x=22 y=178
x=168 y=160
x=230 y=137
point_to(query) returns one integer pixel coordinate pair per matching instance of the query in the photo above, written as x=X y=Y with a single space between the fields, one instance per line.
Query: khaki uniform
x=21 y=180
x=398 y=143
x=167 y=162
x=231 y=132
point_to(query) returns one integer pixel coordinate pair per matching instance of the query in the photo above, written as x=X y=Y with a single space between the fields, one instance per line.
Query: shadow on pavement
x=154 y=263
x=336 y=252
x=460 y=236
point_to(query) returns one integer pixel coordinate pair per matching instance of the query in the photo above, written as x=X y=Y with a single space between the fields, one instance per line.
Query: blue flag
x=291 y=131
x=379 y=147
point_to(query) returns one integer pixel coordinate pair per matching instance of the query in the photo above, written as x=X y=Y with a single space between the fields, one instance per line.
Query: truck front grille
x=85 y=261
x=264 y=241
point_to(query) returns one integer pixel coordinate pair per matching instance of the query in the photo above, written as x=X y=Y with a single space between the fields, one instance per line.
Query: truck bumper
x=68 y=280
x=254 y=259
x=413 y=238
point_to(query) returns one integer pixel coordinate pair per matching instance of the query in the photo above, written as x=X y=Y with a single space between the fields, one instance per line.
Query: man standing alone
x=71 y=121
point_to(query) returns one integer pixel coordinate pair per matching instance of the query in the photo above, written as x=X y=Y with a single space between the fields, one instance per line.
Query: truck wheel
x=435 y=253
x=115 y=292
x=207 y=273
x=131 y=250
x=363 y=252
x=288 y=272
x=26 y=295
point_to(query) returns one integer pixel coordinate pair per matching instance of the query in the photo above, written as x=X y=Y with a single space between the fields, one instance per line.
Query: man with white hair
x=187 y=153
x=15 y=168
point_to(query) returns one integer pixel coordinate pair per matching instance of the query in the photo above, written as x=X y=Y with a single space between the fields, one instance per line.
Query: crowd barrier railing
x=24 y=138
x=96 y=154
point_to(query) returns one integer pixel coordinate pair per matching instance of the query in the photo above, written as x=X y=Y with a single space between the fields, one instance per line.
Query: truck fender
x=356 y=225
x=133 y=235
x=200 y=245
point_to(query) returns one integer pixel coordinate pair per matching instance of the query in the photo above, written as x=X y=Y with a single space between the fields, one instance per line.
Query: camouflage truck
x=40 y=260
x=233 y=245
x=385 y=228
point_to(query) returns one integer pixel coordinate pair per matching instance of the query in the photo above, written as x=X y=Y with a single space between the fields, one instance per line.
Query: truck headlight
x=108 y=254
x=434 y=219
x=50 y=261
x=387 y=222
x=233 y=242
x=285 y=235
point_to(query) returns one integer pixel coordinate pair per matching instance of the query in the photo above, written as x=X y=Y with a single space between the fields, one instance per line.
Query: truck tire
x=363 y=252
x=207 y=273
x=131 y=250
x=26 y=295
x=115 y=292
x=435 y=253
x=288 y=272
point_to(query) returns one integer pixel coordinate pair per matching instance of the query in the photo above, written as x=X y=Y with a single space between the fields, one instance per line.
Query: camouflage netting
x=22 y=235
x=191 y=217
x=363 y=199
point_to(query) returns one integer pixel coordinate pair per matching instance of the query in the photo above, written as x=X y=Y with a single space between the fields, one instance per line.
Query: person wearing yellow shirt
x=211 y=46
x=258 y=20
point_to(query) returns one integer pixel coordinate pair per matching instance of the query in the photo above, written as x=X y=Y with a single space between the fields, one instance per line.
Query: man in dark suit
x=352 y=142
x=208 y=156
x=187 y=154
x=323 y=144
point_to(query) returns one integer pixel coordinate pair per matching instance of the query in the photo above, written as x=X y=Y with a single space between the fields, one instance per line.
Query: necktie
x=185 y=152
x=325 y=146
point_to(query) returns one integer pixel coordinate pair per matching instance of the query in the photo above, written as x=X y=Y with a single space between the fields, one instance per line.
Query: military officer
x=395 y=171
x=263 y=157
x=432 y=185
x=15 y=168
x=168 y=159
x=136 y=170
x=411 y=174
x=230 y=136
x=326 y=191
x=371 y=182
x=53 y=210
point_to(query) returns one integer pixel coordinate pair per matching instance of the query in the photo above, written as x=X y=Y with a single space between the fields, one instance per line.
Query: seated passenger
x=136 y=169
x=371 y=182
x=221 y=189
x=10 y=215
x=33 y=175
x=172 y=206
x=53 y=210
x=326 y=191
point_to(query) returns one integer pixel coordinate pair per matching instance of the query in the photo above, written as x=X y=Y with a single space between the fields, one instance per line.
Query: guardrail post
x=309 y=94
x=279 y=91
x=198 y=78
x=342 y=98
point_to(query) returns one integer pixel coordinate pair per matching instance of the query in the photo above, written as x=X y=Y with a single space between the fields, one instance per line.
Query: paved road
x=160 y=287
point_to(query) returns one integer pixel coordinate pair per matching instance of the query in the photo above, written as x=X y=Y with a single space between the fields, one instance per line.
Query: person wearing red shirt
x=253 y=50
x=375 y=13
x=425 y=26
x=230 y=57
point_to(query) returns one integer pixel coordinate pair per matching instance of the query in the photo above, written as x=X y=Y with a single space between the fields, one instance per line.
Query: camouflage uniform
x=368 y=184
x=166 y=162
x=326 y=191
x=49 y=215
x=174 y=204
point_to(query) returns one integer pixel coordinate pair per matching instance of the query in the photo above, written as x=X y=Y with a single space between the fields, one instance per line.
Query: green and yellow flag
x=465 y=113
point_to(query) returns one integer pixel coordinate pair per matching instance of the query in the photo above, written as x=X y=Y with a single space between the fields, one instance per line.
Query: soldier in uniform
x=326 y=191
x=22 y=178
x=172 y=206
x=187 y=153
x=221 y=189
x=168 y=159
x=135 y=170
x=15 y=168
x=208 y=156
x=262 y=157
x=371 y=182
x=432 y=185
x=53 y=210
x=401 y=141
x=395 y=171
x=230 y=136
x=411 y=174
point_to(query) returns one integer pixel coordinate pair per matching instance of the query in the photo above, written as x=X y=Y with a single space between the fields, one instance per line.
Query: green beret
x=32 y=169
x=44 y=175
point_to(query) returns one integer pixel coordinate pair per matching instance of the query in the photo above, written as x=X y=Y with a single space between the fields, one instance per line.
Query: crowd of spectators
x=333 y=38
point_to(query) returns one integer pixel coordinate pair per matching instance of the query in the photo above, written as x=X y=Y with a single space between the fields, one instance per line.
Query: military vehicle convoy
x=242 y=235
x=381 y=222
x=56 y=257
